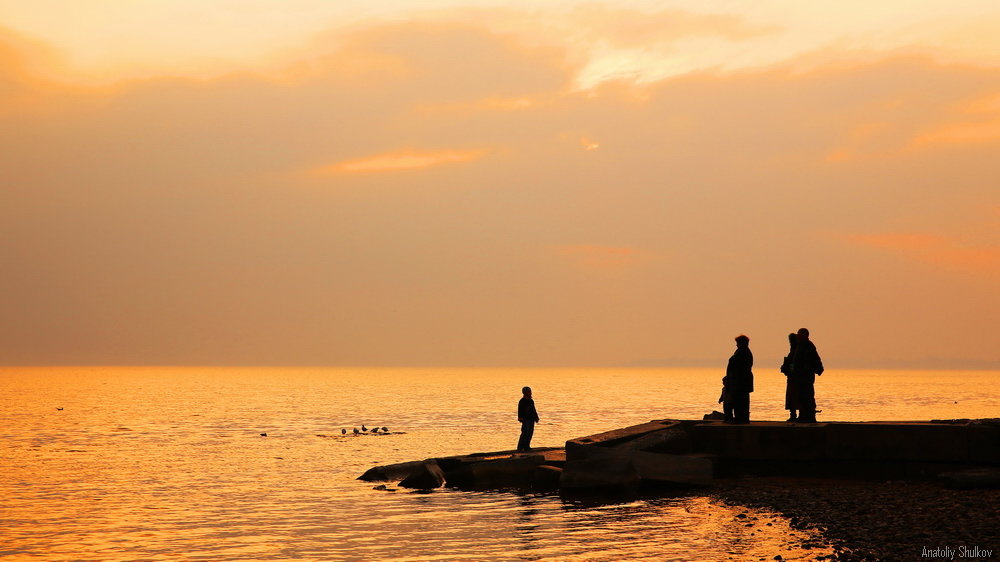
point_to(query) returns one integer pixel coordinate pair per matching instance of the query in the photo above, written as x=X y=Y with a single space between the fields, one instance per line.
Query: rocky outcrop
x=538 y=471
x=513 y=472
x=545 y=478
x=974 y=478
x=426 y=476
x=391 y=472
x=613 y=473
x=656 y=452
x=693 y=453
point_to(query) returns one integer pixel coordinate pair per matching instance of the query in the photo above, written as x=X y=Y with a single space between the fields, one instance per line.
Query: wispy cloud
x=937 y=250
x=975 y=122
x=638 y=29
x=399 y=161
x=135 y=212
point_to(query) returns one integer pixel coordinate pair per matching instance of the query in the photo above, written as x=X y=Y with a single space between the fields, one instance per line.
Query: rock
x=424 y=477
x=546 y=477
x=609 y=473
x=390 y=472
x=517 y=472
x=971 y=479
x=674 y=440
x=693 y=470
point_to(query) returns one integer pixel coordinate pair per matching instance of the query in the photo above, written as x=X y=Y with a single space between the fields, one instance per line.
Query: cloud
x=26 y=66
x=164 y=221
x=401 y=160
x=973 y=122
x=979 y=259
x=898 y=109
x=456 y=63
x=633 y=29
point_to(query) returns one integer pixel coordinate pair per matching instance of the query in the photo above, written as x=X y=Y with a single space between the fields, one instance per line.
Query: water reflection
x=159 y=463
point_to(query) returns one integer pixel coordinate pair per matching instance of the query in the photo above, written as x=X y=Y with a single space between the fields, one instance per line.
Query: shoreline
x=878 y=520
x=869 y=490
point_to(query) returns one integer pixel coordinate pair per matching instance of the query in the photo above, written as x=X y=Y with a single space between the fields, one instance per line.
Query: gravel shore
x=896 y=520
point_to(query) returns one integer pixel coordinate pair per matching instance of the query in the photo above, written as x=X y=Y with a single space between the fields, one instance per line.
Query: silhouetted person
x=786 y=369
x=806 y=364
x=528 y=416
x=738 y=383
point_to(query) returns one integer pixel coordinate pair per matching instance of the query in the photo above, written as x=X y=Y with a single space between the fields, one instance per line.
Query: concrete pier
x=695 y=452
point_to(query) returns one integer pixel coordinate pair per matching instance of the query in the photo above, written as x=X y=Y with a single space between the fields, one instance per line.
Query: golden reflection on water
x=167 y=463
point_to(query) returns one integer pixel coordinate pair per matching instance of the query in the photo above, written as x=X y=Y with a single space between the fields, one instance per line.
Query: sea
x=172 y=463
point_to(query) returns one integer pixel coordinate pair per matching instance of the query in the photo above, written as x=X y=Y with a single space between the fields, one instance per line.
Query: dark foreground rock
x=899 y=520
x=875 y=490
x=970 y=479
x=425 y=476
x=538 y=470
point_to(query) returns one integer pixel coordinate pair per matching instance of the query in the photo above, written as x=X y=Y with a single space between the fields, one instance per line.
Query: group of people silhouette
x=800 y=367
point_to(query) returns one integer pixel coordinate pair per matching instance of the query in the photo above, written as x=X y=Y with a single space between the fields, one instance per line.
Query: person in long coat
x=806 y=364
x=738 y=383
x=786 y=369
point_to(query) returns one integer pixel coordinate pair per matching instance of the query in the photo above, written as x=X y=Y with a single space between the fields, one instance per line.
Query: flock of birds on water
x=363 y=431
x=372 y=431
x=355 y=432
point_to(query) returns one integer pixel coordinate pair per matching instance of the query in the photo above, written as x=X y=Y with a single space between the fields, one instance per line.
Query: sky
x=485 y=183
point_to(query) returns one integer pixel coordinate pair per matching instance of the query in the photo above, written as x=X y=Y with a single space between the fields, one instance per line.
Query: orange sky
x=470 y=183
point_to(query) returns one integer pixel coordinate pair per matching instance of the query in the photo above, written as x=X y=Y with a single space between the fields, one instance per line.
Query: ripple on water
x=153 y=463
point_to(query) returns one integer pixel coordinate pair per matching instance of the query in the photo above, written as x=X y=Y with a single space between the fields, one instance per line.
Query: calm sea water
x=168 y=463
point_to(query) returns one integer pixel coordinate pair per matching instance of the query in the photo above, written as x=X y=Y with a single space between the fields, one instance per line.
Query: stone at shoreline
x=424 y=477
x=612 y=473
x=691 y=470
x=670 y=440
x=390 y=472
x=875 y=520
x=458 y=473
x=689 y=452
x=971 y=479
x=546 y=477
x=514 y=472
x=657 y=451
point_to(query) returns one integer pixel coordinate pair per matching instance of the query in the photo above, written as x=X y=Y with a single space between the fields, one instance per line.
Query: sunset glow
x=449 y=182
x=405 y=160
x=940 y=251
x=594 y=257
